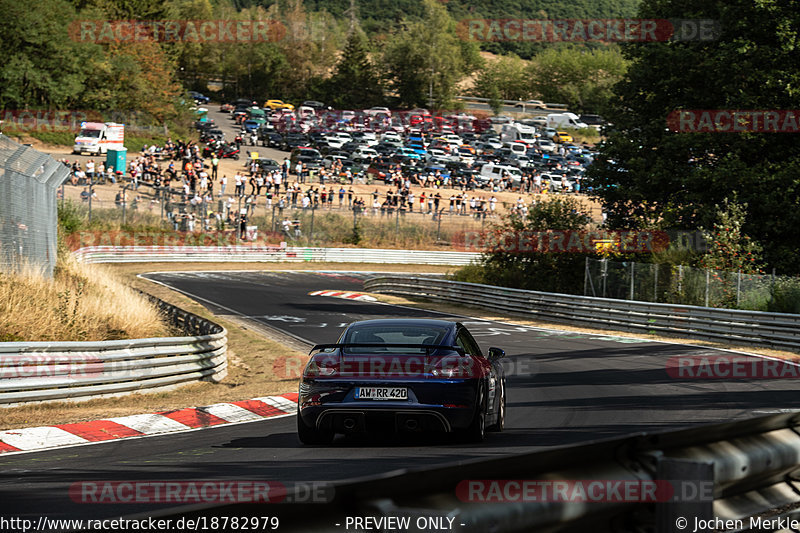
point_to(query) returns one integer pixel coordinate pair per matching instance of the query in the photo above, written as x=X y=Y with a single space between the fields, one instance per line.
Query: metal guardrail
x=42 y=371
x=510 y=102
x=154 y=254
x=774 y=330
x=731 y=471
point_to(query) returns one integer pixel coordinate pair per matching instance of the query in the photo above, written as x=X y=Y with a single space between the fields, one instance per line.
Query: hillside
x=379 y=16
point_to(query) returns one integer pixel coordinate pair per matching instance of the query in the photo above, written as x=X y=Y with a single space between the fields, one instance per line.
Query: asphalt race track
x=563 y=388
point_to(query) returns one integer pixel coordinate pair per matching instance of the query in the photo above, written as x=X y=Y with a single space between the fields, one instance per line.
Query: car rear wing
x=427 y=347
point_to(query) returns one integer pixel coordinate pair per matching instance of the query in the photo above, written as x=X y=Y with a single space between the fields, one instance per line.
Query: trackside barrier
x=166 y=254
x=774 y=330
x=42 y=371
x=732 y=471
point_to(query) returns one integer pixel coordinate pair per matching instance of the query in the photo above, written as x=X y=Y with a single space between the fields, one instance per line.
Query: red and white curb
x=39 y=438
x=346 y=295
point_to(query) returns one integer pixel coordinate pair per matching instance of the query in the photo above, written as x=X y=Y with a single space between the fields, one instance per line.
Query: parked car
x=278 y=104
x=271 y=139
x=531 y=104
x=199 y=98
x=408 y=375
x=364 y=153
x=562 y=137
x=308 y=156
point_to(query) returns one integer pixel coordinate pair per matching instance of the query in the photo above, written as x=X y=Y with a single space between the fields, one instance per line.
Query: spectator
x=80 y=176
x=90 y=170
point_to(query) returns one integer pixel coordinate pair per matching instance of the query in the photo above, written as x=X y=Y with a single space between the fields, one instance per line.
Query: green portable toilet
x=116 y=158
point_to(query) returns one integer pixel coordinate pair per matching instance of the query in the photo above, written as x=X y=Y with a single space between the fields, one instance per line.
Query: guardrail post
x=311 y=231
x=633 y=268
x=586 y=277
x=738 y=287
x=605 y=275
x=692 y=497
x=654 y=266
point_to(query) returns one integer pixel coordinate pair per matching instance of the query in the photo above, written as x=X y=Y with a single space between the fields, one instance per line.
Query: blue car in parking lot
x=401 y=375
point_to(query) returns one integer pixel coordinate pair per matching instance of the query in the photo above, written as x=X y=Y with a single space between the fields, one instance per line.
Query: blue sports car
x=401 y=375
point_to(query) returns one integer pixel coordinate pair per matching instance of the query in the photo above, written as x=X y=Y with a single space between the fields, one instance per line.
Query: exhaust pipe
x=411 y=424
x=349 y=423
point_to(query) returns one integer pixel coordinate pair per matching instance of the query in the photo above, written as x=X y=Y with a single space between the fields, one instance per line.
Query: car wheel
x=309 y=435
x=236 y=157
x=501 y=415
x=476 y=431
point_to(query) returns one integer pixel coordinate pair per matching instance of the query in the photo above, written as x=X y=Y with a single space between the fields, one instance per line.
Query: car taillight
x=462 y=367
x=321 y=366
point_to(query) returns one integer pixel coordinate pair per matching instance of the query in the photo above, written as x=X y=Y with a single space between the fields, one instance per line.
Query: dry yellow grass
x=254 y=362
x=81 y=303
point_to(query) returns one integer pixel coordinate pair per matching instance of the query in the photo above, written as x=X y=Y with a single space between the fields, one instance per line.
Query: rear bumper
x=443 y=406
x=386 y=419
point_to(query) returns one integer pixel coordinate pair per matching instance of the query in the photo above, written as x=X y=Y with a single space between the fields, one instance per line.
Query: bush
x=70 y=218
x=785 y=296
x=534 y=270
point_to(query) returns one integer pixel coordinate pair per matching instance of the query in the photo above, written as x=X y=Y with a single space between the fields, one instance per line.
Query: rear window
x=410 y=334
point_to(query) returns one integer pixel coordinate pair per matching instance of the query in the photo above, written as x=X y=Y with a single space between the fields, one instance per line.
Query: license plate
x=381 y=393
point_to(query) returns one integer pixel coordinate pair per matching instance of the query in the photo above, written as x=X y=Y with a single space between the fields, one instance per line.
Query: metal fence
x=731 y=326
x=320 y=224
x=28 y=216
x=678 y=284
x=53 y=371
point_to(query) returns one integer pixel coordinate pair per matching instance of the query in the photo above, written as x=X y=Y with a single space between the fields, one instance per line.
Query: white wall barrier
x=244 y=253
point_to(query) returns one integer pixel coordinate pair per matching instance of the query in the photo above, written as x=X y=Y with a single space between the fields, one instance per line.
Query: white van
x=98 y=137
x=492 y=171
x=564 y=120
x=518 y=132
x=517 y=147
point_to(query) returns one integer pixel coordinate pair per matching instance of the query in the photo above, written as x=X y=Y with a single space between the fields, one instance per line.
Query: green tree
x=647 y=175
x=42 y=66
x=355 y=82
x=533 y=270
x=729 y=249
x=495 y=99
x=130 y=9
x=580 y=77
x=507 y=76
x=135 y=77
x=426 y=59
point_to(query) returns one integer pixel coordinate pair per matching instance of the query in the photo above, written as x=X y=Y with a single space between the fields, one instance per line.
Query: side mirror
x=496 y=353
